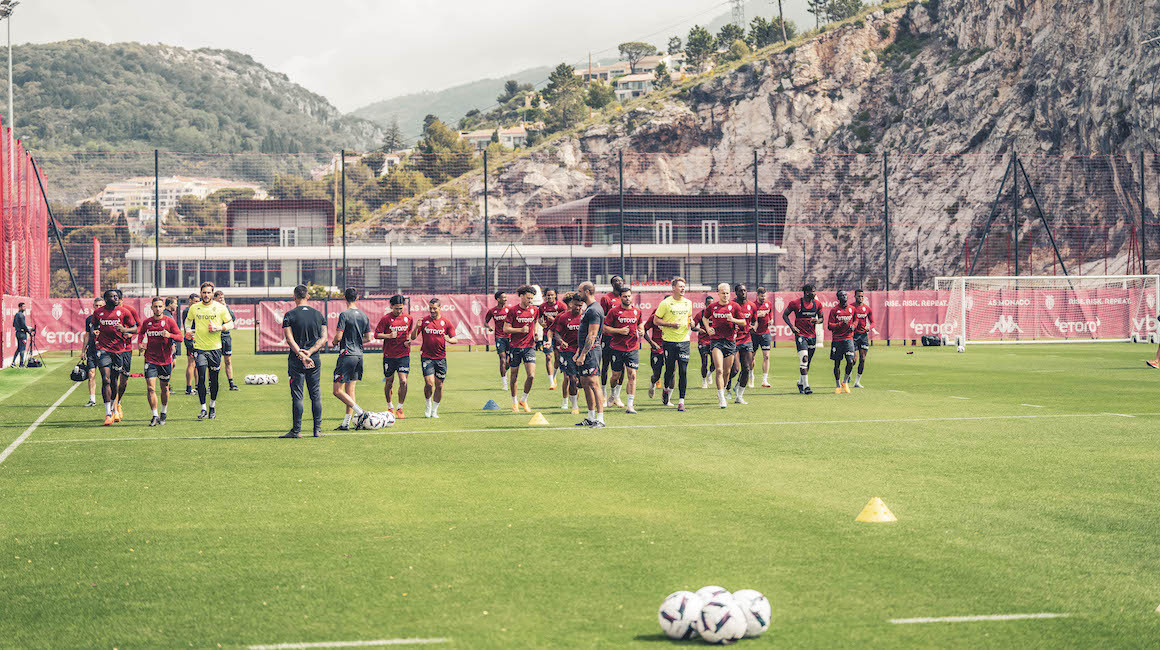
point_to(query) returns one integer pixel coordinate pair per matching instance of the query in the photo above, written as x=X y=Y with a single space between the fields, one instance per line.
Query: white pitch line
x=346 y=644
x=381 y=432
x=43 y=416
x=896 y=391
x=972 y=619
x=954 y=397
x=1034 y=406
x=1122 y=415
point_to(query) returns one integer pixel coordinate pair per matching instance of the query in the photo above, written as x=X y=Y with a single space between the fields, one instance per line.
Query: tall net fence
x=474 y=222
x=24 y=266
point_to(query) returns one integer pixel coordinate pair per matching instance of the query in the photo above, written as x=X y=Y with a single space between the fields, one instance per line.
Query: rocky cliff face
x=912 y=113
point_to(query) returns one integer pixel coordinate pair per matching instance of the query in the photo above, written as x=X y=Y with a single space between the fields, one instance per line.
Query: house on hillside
x=393 y=159
x=513 y=137
x=634 y=85
x=605 y=73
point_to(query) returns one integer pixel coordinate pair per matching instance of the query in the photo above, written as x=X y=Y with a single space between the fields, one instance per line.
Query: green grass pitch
x=1038 y=492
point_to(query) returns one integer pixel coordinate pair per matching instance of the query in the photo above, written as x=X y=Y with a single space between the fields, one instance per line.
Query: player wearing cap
x=352 y=333
x=498 y=315
x=807 y=313
x=623 y=324
x=840 y=322
x=437 y=333
x=156 y=338
x=393 y=329
x=863 y=323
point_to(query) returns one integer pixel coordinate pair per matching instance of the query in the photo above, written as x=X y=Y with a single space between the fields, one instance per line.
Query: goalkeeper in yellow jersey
x=204 y=323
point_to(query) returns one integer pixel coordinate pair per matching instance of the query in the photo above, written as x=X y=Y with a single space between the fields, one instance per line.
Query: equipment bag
x=928 y=341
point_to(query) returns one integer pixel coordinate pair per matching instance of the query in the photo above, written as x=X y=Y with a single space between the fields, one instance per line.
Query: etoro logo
x=921 y=329
x=1006 y=325
x=1078 y=326
x=57 y=311
x=1049 y=302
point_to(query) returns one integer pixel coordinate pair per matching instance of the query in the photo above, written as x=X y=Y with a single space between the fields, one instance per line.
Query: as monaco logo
x=279 y=315
x=476 y=308
x=779 y=304
x=1049 y=302
x=57 y=311
x=970 y=303
x=1151 y=300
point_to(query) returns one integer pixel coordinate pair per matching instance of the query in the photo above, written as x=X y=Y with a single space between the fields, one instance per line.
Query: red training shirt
x=520 y=317
x=158 y=349
x=744 y=312
x=841 y=322
x=499 y=315
x=722 y=326
x=550 y=310
x=568 y=327
x=761 y=316
x=804 y=314
x=629 y=317
x=400 y=346
x=655 y=333
x=108 y=338
x=863 y=318
x=435 y=334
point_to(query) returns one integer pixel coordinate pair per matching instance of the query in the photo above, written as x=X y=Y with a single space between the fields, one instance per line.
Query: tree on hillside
x=729 y=33
x=675 y=45
x=843 y=9
x=699 y=46
x=634 y=51
x=664 y=79
x=510 y=88
x=820 y=10
x=599 y=94
x=737 y=51
x=443 y=154
x=764 y=32
x=393 y=137
x=781 y=19
x=562 y=82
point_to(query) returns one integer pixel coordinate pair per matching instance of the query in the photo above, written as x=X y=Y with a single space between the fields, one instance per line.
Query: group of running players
x=595 y=343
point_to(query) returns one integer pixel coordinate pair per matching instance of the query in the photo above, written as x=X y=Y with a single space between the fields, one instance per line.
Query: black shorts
x=589 y=366
x=400 y=365
x=227 y=344
x=804 y=344
x=862 y=341
x=703 y=347
x=437 y=367
x=744 y=347
x=606 y=350
x=160 y=372
x=727 y=348
x=839 y=349
x=761 y=341
x=348 y=368
x=211 y=359
x=676 y=351
x=657 y=361
x=188 y=348
x=120 y=362
x=547 y=345
x=90 y=359
x=501 y=346
x=622 y=358
x=517 y=356
x=567 y=363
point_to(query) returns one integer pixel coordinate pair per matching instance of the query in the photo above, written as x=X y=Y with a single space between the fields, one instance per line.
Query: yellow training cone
x=876 y=512
x=538 y=418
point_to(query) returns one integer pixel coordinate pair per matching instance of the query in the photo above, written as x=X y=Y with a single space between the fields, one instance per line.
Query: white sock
x=154 y=412
x=574 y=401
x=615 y=393
x=434 y=406
x=859 y=379
x=564 y=402
x=515 y=400
x=164 y=408
x=203 y=406
x=108 y=408
x=92 y=397
x=390 y=406
x=765 y=378
x=630 y=400
x=591 y=414
x=681 y=401
x=357 y=409
x=805 y=381
x=525 y=397
x=346 y=420
x=720 y=393
x=740 y=391
x=429 y=400
x=600 y=417
x=212 y=403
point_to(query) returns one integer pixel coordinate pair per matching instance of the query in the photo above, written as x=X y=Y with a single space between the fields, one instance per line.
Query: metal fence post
x=756 y=229
x=1015 y=213
x=620 y=164
x=886 y=220
x=342 y=154
x=156 y=223
x=486 y=273
x=1143 y=240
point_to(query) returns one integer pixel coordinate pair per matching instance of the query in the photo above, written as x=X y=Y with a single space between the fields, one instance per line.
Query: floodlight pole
x=342 y=153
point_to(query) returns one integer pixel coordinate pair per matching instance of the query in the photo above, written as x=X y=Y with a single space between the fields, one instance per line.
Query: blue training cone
x=491 y=405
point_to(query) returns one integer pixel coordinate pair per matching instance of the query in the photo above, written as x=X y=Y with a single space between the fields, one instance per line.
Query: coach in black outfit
x=20 y=325
x=304 y=329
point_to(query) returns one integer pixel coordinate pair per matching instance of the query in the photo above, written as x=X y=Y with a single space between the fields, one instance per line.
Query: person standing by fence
x=20 y=325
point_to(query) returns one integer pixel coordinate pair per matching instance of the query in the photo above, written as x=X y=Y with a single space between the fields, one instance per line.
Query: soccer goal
x=1049 y=309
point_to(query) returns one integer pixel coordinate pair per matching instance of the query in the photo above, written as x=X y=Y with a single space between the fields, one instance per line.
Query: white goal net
x=1049 y=309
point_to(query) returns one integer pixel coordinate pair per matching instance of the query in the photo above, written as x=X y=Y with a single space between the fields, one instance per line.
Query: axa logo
x=1006 y=325
x=57 y=311
x=1066 y=327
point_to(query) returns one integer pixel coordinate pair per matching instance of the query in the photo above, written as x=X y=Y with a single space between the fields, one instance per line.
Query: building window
x=710 y=231
x=663 y=231
x=261 y=237
x=257 y=273
x=289 y=236
x=239 y=274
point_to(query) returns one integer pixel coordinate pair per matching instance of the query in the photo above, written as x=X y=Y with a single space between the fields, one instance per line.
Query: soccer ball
x=378 y=420
x=721 y=621
x=678 y=615
x=710 y=592
x=272 y=379
x=960 y=349
x=757 y=611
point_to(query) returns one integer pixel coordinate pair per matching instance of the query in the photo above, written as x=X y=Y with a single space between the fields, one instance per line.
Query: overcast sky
x=358 y=51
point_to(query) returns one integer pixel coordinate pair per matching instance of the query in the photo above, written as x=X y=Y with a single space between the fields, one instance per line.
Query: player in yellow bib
x=674 y=316
x=204 y=323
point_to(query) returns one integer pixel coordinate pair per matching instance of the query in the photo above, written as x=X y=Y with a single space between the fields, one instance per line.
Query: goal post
x=1049 y=309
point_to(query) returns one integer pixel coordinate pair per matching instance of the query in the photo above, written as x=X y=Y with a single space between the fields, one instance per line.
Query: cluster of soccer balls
x=714 y=614
x=261 y=379
x=375 y=420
